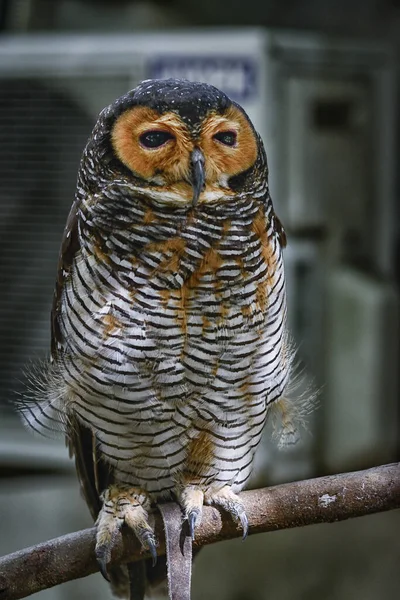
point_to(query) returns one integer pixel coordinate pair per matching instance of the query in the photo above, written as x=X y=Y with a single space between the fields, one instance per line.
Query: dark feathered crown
x=192 y=100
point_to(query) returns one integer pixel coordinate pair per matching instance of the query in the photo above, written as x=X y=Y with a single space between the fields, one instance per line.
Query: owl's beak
x=198 y=173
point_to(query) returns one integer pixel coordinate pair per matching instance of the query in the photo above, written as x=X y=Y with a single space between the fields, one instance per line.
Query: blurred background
x=318 y=78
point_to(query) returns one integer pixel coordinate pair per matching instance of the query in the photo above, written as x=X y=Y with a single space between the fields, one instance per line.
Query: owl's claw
x=123 y=505
x=149 y=542
x=191 y=499
x=245 y=525
x=194 y=518
x=103 y=558
x=232 y=504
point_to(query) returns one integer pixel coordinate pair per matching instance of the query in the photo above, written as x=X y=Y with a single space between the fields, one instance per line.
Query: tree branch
x=321 y=500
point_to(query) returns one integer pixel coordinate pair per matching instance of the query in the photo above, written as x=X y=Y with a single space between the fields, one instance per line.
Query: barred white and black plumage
x=169 y=338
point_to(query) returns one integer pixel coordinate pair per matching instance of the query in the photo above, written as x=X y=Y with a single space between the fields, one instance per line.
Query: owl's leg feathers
x=191 y=499
x=231 y=503
x=123 y=505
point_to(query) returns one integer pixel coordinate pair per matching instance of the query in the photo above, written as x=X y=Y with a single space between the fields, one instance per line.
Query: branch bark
x=321 y=500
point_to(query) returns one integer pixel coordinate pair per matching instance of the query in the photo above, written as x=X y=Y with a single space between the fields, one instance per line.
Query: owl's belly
x=197 y=442
x=168 y=416
x=175 y=391
x=208 y=434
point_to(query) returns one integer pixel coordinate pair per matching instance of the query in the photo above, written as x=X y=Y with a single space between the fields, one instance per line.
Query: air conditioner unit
x=361 y=412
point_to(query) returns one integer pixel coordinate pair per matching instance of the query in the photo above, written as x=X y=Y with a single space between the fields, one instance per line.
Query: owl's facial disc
x=154 y=146
x=181 y=163
x=229 y=144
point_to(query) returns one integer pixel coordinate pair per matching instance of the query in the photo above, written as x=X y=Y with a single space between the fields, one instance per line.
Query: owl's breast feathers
x=218 y=262
x=150 y=284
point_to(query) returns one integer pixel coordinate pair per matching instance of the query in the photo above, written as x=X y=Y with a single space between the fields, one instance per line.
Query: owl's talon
x=191 y=499
x=194 y=518
x=153 y=553
x=245 y=525
x=232 y=504
x=148 y=541
x=103 y=557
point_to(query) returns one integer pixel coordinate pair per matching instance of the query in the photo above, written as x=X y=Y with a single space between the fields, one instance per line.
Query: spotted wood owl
x=169 y=339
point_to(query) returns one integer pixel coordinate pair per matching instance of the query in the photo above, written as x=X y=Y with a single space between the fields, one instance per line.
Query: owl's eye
x=155 y=139
x=228 y=138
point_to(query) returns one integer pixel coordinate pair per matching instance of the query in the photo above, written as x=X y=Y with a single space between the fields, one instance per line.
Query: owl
x=169 y=339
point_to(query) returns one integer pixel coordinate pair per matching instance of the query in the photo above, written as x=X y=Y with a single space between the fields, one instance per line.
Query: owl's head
x=188 y=141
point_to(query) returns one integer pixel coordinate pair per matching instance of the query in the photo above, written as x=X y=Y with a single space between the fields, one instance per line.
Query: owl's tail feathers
x=135 y=581
x=124 y=584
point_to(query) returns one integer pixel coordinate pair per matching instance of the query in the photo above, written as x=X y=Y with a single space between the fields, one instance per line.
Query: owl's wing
x=69 y=248
x=94 y=475
x=280 y=231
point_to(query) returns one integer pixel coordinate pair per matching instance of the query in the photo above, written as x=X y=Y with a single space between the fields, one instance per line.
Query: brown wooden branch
x=321 y=500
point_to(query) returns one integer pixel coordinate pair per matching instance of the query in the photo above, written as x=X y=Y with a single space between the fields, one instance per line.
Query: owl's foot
x=123 y=505
x=192 y=498
x=231 y=503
